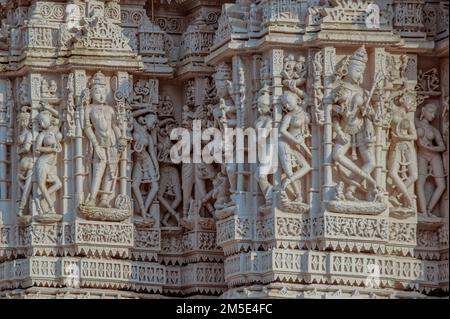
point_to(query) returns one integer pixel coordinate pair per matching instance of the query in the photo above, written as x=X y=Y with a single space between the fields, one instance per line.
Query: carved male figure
x=106 y=140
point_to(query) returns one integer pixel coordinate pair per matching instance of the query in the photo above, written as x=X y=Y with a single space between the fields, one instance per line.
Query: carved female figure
x=264 y=122
x=352 y=125
x=48 y=145
x=24 y=146
x=292 y=146
x=430 y=148
x=402 y=162
x=169 y=194
x=146 y=167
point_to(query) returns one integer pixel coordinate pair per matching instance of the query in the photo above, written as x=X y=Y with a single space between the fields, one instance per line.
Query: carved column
x=34 y=84
x=6 y=130
x=315 y=89
x=329 y=62
x=80 y=82
x=444 y=65
x=276 y=57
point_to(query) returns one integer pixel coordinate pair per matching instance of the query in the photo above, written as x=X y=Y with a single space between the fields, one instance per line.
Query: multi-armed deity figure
x=106 y=141
x=146 y=166
x=353 y=128
x=430 y=146
x=48 y=145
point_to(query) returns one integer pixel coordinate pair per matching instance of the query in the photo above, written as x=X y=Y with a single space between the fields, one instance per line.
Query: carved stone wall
x=353 y=202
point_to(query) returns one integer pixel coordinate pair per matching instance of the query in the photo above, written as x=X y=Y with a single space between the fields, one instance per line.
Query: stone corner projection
x=118 y=118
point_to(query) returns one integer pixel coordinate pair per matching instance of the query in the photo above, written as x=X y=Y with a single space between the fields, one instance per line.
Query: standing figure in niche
x=430 y=148
x=169 y=194
x=265 y=123
x=225 y=114
x=221 y=190
x=26 y=163
x=293 y=151
x=106 y=141
x=48 y=145
x=353 y=126
x=146 y=167
x=402 y=158
x=194 y=176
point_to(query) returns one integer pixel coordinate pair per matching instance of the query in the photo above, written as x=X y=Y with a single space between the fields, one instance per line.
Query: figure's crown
x=99 y=79
x=360 y=55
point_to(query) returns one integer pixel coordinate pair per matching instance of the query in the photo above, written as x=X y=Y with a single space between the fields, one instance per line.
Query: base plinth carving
x=224 y=213
x=357 y=208
x=265 y=209
x=429 y=221
x=144 y=223
x=48 y=218
x=104 y=214
x=198 y=223
x=24 y=220
x=401 y=212
x=294 y=207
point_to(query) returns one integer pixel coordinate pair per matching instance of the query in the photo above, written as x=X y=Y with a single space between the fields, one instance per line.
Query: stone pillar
x=6 y=121
x=314 y=90
x=34 y=84
x=276 y=57
x=444 y=65
x=80 y=82
x=329 y=60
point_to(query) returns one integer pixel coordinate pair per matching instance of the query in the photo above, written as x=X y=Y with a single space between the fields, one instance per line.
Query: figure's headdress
x=426 y=107
x=99 y=79
x=302 y=59
x=264 y=94
x=24 y=115
x=360 y=55
x=289 y=58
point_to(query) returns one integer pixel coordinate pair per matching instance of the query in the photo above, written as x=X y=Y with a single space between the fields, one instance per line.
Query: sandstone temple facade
x=92 y=204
